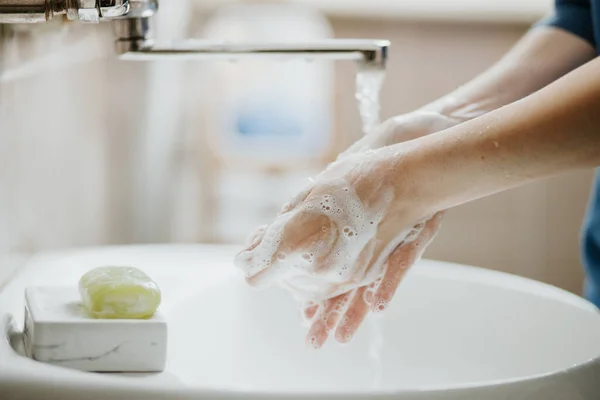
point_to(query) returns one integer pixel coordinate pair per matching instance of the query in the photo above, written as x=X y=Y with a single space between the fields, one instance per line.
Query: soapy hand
x=328 y=242
x=403 y=128
x=345 y=313
x=345 y=242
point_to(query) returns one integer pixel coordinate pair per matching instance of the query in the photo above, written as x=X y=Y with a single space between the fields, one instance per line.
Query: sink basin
x=452 y=332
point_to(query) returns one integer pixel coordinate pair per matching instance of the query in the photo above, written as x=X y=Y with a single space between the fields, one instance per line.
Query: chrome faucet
x=32 y=11
x=132 y=21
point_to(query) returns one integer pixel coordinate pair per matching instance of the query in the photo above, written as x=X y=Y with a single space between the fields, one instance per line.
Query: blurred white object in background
x=268 y=121
x=161 y=126
x=269 y=112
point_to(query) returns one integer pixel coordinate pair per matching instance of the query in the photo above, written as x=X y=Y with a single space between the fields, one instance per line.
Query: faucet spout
x=368 y=51
x=134 y=42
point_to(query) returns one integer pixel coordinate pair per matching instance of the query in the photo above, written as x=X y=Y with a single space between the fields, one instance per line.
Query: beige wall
x=532 y=231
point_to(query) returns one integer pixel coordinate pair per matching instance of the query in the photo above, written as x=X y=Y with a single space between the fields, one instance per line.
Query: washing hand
x=345 y=242
x=403 y=128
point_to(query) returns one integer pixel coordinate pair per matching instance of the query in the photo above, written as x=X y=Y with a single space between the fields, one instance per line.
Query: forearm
x=552 y=131
x=543 y=55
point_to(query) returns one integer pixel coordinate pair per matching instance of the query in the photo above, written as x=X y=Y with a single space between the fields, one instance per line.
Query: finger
x=255 y=239
x=401 y=259
x=327 y=320
x=300 y=233
x=259 y=256
x=299 y=198
x=356 y=311
x=309 y=311
x=265 y=277
x=353 y=317
x=245 y=257
x=309 y=234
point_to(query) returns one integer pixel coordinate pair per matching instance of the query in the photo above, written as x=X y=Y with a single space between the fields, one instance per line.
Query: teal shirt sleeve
x=574 y=16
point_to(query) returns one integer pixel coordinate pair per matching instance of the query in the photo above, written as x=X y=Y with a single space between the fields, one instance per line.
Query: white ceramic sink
x=452 y=332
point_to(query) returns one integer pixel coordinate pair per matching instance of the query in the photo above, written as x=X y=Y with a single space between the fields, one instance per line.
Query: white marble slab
x=58 y=331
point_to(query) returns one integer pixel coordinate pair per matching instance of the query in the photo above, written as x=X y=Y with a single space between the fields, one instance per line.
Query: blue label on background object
x=267 y=123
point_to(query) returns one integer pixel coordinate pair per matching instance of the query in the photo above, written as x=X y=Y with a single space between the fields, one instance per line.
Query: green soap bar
x=119 y=292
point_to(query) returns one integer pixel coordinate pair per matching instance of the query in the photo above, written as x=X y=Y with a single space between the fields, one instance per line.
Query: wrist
x=412 y=172
x=442 y=170
x=459 y=109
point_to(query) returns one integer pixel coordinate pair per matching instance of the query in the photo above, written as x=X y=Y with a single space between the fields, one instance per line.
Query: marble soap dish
x=58 y=331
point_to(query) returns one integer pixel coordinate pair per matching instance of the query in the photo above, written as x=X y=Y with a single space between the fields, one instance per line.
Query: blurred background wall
x=95 y=151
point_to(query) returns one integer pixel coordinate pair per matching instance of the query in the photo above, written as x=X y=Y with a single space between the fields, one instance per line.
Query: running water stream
x=369 y=81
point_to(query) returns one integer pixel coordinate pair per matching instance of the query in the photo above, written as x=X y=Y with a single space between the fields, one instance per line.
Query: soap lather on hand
x=119 y=293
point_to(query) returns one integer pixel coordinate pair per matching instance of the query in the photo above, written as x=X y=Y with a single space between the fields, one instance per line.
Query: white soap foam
x=337 y=258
